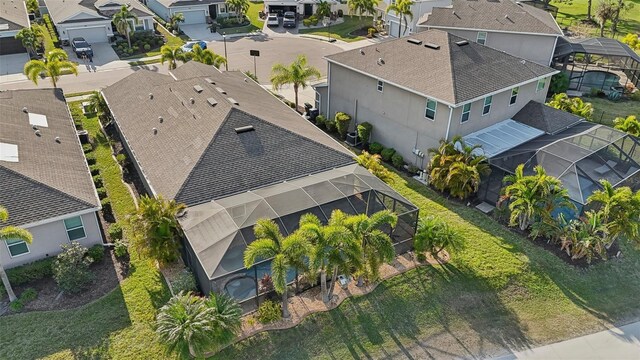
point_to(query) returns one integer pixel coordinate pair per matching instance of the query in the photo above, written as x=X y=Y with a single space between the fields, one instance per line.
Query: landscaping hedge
x=30 y=272
x=51 y=29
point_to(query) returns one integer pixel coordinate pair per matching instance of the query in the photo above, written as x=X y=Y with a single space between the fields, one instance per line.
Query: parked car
x=272 y=20
x=188 y=47
x=289 y=20
x=80 y=46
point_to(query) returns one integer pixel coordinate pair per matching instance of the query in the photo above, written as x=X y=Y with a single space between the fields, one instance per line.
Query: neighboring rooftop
x=454 y=72
x=13 y=15
x=194 y=144
x=66 y=11
x=546 y=118
x=170 y=3
x=493 y=15
x=49 y=176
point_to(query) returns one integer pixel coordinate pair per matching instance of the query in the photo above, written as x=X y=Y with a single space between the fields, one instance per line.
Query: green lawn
x=576 y=10
x=500 y=291
x=342 y=31
x=254 y=18
x=118 y=325
x=172 y=40
x=604 y=110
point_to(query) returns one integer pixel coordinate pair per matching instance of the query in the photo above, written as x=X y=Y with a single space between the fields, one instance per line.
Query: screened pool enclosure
x=219 y=231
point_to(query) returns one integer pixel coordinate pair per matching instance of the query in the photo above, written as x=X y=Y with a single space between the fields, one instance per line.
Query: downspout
x=446 y=137
x=328 y=87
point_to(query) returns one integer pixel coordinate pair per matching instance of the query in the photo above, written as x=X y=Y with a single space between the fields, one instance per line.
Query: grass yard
x=576 y=10
x=255 y=22
x=118 y=325
x=604 y=110
x=501 y=291
x=172 y=40
x=342 y=31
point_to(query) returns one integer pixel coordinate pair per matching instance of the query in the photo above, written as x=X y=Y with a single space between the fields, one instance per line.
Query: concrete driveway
x=13 y=64
x=103 y=56
x=200 y=32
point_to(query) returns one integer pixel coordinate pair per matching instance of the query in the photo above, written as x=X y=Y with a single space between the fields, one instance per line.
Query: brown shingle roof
x=452 y=73
x=496 y=15
x=63 y=10
x=14 y=14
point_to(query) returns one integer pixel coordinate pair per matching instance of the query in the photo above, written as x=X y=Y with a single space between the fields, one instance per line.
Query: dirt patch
x=107 y=276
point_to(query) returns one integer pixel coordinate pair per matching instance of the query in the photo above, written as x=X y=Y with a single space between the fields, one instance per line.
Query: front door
x=308 y=10
x=213 y=11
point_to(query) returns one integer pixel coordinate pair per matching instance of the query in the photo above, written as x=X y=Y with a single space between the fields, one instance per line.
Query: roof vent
x=507 y=17
x=245 y=79
x=462 y=43
x=432 y=46
x=192 y=100
x=37 y=132
x=197 y=88
x=151 y=95
x=221 y=90
x=453 y=12
x=523 y=61
x=209 y=81
x=361 y=52
x=233 y=101
x=212 y=101
x=34 y=127
x=244 y=129
x=160 y=119
x=57 y=139
x=24 y=110
x=155 y=131
x=380 y=61
x=414 y=41
x=519 y=3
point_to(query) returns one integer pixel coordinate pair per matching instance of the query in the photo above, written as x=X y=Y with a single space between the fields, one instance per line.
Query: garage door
x=11 y=45
x=92 y=35
x=194 y=17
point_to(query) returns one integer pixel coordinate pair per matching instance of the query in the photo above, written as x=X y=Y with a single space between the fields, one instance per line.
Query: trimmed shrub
x=340 y=13
x=364 y=131
x=28 y=295
x=91 y=158
x=30 y=272
x=16 y=306
x=185 y=281
x=342 y=124
x=320 y=121
x=371 y=31
x=330 y=125
x=121 y=248
x=71 y=268
x=97 y=180
x=413 y=169
x=375 y=148
x=95 y=170
x=96 y=253
x=106 y=205
x=269 y=311
x=121 y=159
x=397 y=160
x=387 y=154
x=115 y=232
x=87 y=148
x=102 y=192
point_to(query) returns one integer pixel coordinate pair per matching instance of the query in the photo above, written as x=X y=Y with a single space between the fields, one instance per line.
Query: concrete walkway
x=615 y=344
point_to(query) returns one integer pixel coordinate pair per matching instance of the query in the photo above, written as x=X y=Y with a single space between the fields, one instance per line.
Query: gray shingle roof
x=186 y=160
x=63 y=10
x=546 y=118
x=173 y=3
x=14 y=14
x=496 y=15
x=452 y=74
x=50 y=178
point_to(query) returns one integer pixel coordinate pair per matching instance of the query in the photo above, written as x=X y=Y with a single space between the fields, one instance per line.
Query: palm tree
x=175 y=21
x=442 y=158
x=55 y=64
x=11 y=233
x=402 y=8
x=630 y=125
x=362 y=6
x=588 y=237
x=620 y=209
x=172 y=54
x=124 y=20
x=323 y=9
x=156 y=229
x=463 y=180
x=573 y=105
x=98 y=105
x=286 y=253
x=240 y=7
x=31 y=38
x=333 y=248
x=297 y=73
x=434 y=235
x=206 y=56
x=372 y=163
x=190 y=325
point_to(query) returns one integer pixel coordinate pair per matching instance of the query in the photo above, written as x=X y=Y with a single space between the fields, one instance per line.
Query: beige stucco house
x=431 y=86
x=516 y=28
x=45 y=182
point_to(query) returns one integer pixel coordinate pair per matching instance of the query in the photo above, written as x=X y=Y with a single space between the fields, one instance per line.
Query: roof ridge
x=451 y=63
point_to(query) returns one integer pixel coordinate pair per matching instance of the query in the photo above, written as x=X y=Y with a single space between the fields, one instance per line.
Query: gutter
x=446 y=136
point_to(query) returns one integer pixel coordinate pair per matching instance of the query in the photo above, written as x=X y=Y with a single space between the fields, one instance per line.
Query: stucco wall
x=159 y=9
x=62 y=28
x=418 y=9
x=47 y=239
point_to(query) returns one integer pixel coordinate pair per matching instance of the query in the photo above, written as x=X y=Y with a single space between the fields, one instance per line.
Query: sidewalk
x=618 y=343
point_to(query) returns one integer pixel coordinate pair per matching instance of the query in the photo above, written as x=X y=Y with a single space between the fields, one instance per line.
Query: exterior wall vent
x=414 y=41
x=197 y=88
x=212 y=101
x=462 y=43
x=432 y=46
x=244 y=129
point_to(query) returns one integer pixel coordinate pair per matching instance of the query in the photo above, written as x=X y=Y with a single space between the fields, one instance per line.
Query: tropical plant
x=334 y=249
x=206 y=56
x=622 y=7
x=631 y=39
x=33 y=7
x=605 y=11
x=342 y=123
x=124 y=20
x=297 y=73
x=362 y=7
x=98 y=105
x=31 y=37
x=372 y=163
x=156 y=232
x=364 y=132
x=55 y=63
x=268 y=312
x=434 y=235
x=285 y=253
x=175 y=20
x=573 y=105
x=71 y=268
x=620 y=208
x=190 y=325
x=172 y=54
x=10 y=233
x=240 y=7
x=402 y=8
x=323 y=9
x=587 y=237
x=630 y=125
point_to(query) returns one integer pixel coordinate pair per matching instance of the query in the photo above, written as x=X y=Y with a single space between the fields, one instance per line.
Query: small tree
x=175 y=20
x=33 y=7
x=71 y=268
x=206 y=56
x=240 y=7
x=362 y=7
x=55 y=64
x=402 y=8
x=620 y=211
x=434 y=235
x=297 y=73
x=323 y=9
x=124 y=20
x=364 y=132
x=605 y=11
x=11 y=233
x=630 y=125
x=172 y=54
x=31 y=38
x=559 y=83
x=342 y=124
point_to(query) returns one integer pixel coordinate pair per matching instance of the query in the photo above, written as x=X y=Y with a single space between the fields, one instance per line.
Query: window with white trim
x=380 y=85
x=466 y=110
x=486 y=109
x=541 y=84
x=514 y=95
x=430 y=109
x=317 y=101
x=137 y=24
x=75 y=228
x=17 y=247
x=482 y=37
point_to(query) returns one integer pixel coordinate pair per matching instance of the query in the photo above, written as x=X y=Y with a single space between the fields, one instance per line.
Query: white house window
x=380 y=86
x=466 y=109
x=482 y=37
x=17 y=247
x=541 y=84
x=317 y=100
x=138 y=24
x=514 y=95
x=430 y=109
x=75 y=228
x=222 y=8
x=487 y=105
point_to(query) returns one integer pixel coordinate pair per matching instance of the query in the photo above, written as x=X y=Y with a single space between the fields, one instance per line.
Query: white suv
x=272 y=20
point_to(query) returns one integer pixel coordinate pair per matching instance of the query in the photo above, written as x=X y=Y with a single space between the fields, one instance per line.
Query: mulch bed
x=363 y=31
x=107 y=275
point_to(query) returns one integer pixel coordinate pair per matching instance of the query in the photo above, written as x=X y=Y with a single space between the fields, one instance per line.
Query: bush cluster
x=269 y=311
x=121 y=248
x=364 y=132
x=342 y=124
x=141 y=41
x=96 y=253
x=310 y=21
x=185 y=281
x=115 y=232
x=71 y=268
x=51 y=29
x=387 y=153
x=27 y=296
x=91 y=160
x=30 y=272
x=376 y=148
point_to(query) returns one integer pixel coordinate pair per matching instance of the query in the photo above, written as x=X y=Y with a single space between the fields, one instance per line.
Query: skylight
x=8 y=152
x=38 y=120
